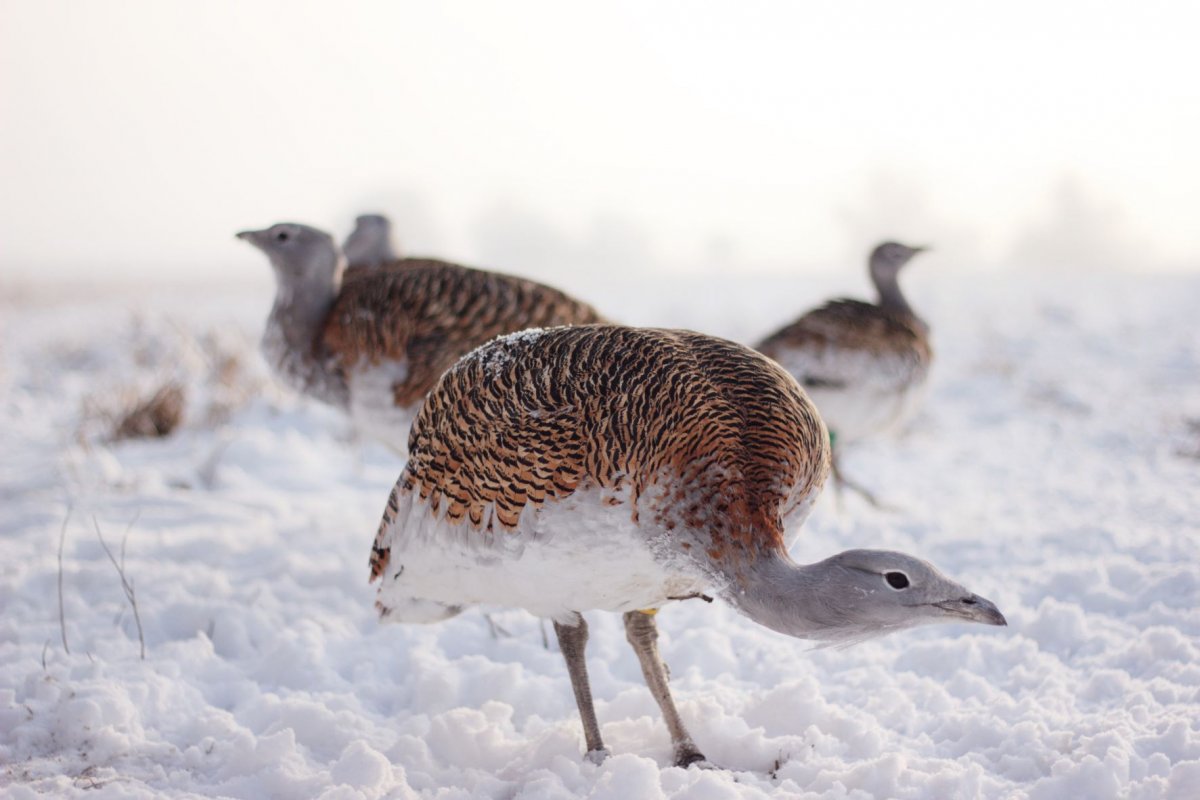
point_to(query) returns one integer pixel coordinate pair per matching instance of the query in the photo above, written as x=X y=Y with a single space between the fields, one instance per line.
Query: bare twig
x=62 y=622
x=126 y=584
x=208 y=470
x=188 y=338
x=125 y=538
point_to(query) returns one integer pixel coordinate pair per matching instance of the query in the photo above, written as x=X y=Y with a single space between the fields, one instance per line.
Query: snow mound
x=1054 y=470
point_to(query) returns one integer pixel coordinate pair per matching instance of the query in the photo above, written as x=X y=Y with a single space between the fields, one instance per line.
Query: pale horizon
x=545 y=138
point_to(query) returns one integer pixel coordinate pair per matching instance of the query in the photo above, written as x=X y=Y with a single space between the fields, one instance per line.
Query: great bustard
x=618 y=469
x=376 y=343
x=865 y=365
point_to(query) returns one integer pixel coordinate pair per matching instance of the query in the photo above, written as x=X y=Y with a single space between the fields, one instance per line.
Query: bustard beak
x=256 y=238
x=974 y=608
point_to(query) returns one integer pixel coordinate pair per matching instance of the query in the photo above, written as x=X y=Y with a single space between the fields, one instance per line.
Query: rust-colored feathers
x=429 y=313
x=693 y=432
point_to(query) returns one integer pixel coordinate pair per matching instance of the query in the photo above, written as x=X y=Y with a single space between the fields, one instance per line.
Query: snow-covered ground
x=1055 y=470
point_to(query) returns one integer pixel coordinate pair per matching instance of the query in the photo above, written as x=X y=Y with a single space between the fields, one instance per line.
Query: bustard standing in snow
x=370 y=244
x=865 y=365
x=374 y=345
x=613 y=468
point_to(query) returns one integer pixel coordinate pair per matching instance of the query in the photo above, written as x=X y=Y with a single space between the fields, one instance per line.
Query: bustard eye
x=896 y=580
x=282 y=236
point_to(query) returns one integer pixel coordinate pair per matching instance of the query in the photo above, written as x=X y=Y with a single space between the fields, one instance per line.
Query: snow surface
x=1055 y=469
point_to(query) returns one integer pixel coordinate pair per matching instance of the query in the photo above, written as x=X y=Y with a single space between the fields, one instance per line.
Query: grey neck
x=806 y=601
x=890 y=296
x=291 y=341
x=786 y=597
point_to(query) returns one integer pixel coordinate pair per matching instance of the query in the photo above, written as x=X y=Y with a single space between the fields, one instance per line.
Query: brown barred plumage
x=612 y=468
x=431 y=312
x=531 y=418
x=853 y=325
x=373 y=339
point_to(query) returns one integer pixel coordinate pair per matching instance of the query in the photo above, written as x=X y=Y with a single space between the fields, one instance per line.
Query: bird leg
x=572 y=640
x=642 y=634
x=840 y=480
x=496 y=629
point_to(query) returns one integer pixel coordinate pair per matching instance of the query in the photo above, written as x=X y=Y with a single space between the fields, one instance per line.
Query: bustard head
x=858 y=595
x=370 y=243
x=887 y=259
x=300 y=255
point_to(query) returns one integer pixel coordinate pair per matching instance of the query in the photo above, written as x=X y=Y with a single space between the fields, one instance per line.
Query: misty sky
x=137 y=137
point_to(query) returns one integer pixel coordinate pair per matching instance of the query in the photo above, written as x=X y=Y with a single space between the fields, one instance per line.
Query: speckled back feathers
x=718 y=437
x=431 y=312
x=853 y=325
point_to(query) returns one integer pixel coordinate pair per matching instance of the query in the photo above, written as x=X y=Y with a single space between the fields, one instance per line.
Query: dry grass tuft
x=230 y=382
x=160 y=375
x=153 y=417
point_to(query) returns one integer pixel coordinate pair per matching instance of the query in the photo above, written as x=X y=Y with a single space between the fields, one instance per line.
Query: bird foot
x=689 y=756
x=597 y=756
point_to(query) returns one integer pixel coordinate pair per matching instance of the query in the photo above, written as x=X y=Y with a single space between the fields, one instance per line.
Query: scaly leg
x=642 y=634
x=572 y=640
